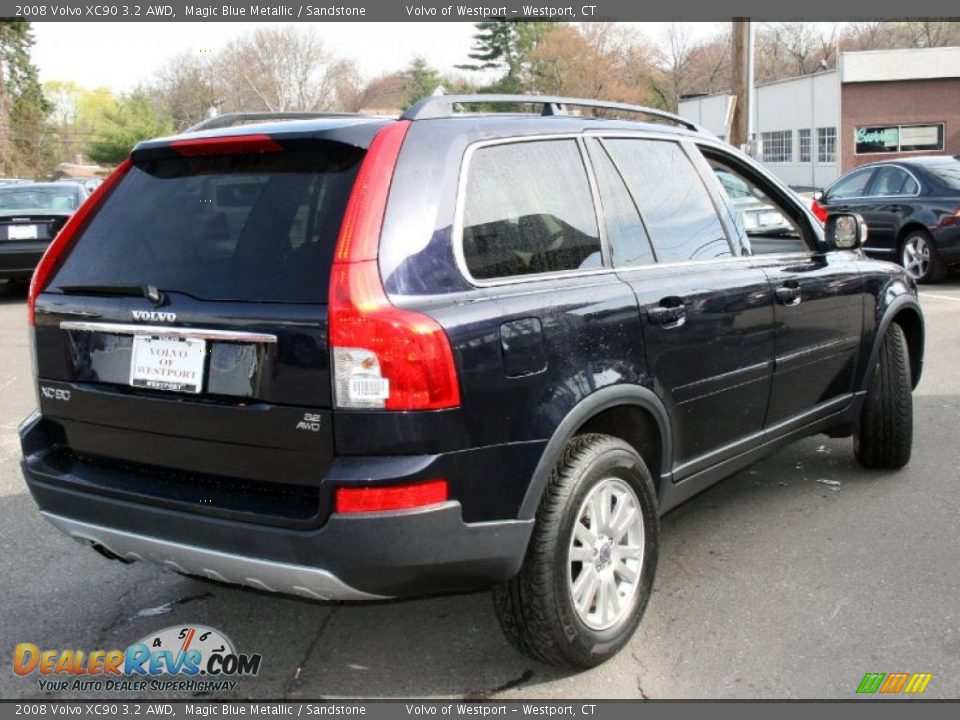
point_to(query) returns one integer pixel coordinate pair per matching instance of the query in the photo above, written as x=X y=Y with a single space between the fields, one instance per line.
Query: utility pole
x=741 y=82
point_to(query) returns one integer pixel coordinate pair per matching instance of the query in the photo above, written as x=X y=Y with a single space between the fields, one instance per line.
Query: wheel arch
x=905 y=311
x=908 y=228
x=630 y=412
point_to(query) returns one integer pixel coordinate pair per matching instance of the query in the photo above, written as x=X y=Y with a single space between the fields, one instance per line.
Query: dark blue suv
x=351 y=358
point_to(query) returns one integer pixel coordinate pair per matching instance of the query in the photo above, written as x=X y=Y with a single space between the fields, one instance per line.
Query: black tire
x=936 y=270
x=536 y=609
x=884 y=437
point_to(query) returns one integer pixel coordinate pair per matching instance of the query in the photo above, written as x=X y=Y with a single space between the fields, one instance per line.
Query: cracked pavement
x=771 y=584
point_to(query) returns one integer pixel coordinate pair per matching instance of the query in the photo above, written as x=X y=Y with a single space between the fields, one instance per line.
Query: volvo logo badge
x=154 y=316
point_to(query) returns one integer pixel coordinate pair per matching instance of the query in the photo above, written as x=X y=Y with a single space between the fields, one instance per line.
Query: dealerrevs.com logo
x=179 y=658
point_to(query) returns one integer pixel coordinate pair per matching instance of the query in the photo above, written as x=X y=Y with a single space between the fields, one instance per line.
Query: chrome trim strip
x=168 y=331
x=309 y=582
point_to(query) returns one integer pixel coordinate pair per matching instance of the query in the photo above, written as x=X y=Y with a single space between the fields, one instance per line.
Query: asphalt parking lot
x=789 y=580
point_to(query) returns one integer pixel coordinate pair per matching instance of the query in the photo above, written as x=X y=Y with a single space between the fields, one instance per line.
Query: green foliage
x=25 y=140
x=422 y=80
x=505 y=45
x=131 y=121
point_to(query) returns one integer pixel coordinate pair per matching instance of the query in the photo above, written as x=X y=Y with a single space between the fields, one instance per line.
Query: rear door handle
x=789 y=295
x=672 y=314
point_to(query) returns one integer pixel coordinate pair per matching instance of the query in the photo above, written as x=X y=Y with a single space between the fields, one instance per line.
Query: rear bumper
x=224 y=567
x=18 y=260
x=349 y=557
x=946 y=238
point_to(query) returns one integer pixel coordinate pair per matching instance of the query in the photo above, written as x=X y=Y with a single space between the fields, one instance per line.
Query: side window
x=673 y=201
x=527 y=210
x=765 y=222
x=852 y=186
x=629 y=242
x=891 y=180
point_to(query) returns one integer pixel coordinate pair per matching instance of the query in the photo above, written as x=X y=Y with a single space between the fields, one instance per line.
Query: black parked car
x=357 y=358
x=912 y=210
x=31 y=214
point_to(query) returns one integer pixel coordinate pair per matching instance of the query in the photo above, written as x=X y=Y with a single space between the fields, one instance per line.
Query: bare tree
x=185 y=88
x=349 y=89
x=278 y=69
x=678 y=51
x=600 y=60
x=930 y=33
x=790 y=49
x=865 y=35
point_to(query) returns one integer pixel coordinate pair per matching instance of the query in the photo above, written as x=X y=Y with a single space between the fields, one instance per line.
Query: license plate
x=21 y=232
x=771 y=218
x=174 y=364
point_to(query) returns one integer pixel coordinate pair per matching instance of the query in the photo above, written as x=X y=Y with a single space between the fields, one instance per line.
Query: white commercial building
x=811 y=129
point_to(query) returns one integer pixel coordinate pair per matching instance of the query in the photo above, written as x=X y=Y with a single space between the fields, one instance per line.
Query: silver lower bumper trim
x=268 y=575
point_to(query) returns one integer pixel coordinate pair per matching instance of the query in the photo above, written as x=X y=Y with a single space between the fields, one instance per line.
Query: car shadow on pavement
x=60 y=595
x=13 y=292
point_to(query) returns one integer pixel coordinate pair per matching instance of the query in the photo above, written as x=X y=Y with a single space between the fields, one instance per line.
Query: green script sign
x=886 y=136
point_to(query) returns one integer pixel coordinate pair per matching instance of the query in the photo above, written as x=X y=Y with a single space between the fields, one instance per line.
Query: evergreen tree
x=422 y=80
x=26 y=146
x=505 y=45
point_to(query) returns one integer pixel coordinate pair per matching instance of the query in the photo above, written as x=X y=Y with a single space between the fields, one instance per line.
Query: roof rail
x=238 y=118
x=441 y=106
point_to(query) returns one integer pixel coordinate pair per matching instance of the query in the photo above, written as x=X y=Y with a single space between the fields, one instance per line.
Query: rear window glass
x=948 y=173
x=528 y=210
x=258 y=227
x=54 y=199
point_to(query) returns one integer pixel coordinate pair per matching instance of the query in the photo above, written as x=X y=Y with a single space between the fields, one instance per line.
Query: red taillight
x=395 y=497
x=230 y=145
x=820 y=211
x=56 y=250
x=951 y=219
x=383 y=356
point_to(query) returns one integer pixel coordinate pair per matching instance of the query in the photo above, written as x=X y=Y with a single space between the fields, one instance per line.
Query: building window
x=777 y=146
x=804 y=137
x=827 y=145
x=898 y=138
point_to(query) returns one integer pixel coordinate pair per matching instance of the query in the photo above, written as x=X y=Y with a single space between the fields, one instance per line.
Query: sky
x=121 y=55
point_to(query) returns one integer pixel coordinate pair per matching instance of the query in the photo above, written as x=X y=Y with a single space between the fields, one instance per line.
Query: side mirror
x=845 y=232
x=818 y=195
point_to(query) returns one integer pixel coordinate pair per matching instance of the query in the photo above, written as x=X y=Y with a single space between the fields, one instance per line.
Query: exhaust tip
x=102 y=549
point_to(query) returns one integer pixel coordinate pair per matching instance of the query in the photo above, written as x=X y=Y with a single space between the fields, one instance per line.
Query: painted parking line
x=937 y=296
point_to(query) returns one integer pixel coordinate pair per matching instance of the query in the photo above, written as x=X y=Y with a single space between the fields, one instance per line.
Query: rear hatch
x=182 y=343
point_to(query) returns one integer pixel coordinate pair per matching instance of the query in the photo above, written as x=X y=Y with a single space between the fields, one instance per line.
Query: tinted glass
x=948 y=172
x=528 y=209
x=55 y=199
x=229 y=227
x=855 y=185
x=673 y=201
x=891 y=180
x=629 y=243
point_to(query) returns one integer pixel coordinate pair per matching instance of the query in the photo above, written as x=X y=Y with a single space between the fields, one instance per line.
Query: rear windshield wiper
x=150 y=292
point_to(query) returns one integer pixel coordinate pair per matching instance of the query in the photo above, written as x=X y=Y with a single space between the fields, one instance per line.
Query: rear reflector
x=57 y=250
x=395 y=497
x=232 y=145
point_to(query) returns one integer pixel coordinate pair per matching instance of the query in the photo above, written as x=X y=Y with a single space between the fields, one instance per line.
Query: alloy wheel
x=916 y=256
x=606 y=553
